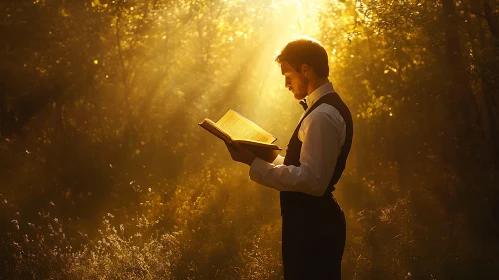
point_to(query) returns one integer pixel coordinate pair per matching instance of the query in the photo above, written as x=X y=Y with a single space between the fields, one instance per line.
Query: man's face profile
x=296 y=82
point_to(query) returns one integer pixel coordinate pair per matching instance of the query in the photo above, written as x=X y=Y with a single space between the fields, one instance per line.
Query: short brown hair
x=305 y=51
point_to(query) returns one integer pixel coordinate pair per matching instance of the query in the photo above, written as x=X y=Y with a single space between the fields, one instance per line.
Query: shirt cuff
x=278 y=160
x=257 y=169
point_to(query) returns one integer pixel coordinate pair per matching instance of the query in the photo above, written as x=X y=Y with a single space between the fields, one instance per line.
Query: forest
x=105 y=173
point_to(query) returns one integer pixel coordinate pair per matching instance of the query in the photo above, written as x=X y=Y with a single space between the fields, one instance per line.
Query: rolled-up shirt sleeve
x=321 y=135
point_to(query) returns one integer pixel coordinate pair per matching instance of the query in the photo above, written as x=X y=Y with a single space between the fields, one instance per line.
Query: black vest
x=301 y=203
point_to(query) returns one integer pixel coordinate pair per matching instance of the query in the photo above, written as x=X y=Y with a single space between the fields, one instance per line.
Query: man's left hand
x=240 y=154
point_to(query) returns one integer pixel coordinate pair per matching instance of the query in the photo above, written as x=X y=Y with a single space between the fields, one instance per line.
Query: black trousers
x=313 y=243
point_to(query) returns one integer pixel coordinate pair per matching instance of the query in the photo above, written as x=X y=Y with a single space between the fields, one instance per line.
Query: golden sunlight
x=105 y=172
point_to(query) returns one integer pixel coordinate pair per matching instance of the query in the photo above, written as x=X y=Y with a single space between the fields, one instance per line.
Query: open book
x=233 y=127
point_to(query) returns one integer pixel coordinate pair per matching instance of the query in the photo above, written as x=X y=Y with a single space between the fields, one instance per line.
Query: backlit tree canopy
x=104 y=172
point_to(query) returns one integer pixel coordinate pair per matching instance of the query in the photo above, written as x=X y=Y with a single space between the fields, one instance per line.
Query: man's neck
x=313 y=85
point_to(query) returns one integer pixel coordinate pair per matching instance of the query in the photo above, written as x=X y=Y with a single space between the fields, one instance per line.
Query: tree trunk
x=491 y=20
x=459 y=97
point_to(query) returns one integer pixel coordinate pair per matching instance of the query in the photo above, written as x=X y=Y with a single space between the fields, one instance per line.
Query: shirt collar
x=318 y=93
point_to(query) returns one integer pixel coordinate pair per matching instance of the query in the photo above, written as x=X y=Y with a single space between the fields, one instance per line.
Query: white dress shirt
x=322 y=134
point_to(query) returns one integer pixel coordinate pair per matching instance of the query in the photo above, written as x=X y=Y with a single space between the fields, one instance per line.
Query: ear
x=305 y=69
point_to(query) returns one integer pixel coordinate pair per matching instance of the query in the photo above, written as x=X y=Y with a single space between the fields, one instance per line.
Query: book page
x=215 y=129
x=239 y=127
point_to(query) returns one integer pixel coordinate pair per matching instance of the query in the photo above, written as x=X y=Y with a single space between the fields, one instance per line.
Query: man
x=313 y=224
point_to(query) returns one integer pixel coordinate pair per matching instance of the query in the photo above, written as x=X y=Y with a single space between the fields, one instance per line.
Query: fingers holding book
x=240 y=154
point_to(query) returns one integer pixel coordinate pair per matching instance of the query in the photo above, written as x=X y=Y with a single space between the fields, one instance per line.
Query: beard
x=302 y=89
